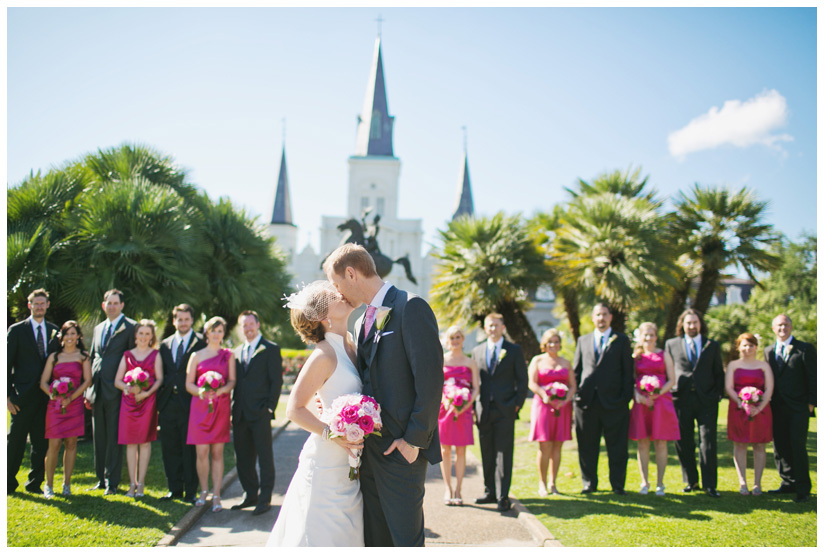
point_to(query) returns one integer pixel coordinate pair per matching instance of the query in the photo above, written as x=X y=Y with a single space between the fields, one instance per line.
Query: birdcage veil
x=313 y=300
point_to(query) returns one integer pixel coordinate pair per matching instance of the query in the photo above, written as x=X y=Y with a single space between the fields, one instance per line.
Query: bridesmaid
x=550 y=420
x=208 y=431
x=72 y=361
x=138 y=424
x=653 y=416
x=743 y=372
x=455 y=426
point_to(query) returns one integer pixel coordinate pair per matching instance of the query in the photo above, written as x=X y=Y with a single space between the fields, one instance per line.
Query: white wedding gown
x=322 y=506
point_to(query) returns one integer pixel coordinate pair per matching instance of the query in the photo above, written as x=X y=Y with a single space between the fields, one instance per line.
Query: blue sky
x=548 y=95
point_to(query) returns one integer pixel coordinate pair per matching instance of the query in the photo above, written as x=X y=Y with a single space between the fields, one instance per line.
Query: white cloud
x=738 y=123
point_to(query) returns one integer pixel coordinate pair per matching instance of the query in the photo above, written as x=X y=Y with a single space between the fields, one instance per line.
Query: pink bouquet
x=138 y=377
x=456 y=394
x=353 y=417
x=650 y=385
x=61 y=387
x=749 y=396
x=558 y=392
x=209 y=381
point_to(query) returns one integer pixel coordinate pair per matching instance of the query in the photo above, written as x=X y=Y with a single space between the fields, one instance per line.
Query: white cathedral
x=374 y=172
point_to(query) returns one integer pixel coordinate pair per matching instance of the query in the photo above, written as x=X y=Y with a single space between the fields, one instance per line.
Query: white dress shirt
x=493 y=349
x=42 y=326
x=177 y=341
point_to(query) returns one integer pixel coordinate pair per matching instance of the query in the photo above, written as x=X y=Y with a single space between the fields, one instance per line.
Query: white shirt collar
x=598 y=335
x=184 y=338
x=253 y=343
x=696 y=340
x=115 y=322
x=786 y=343
x=497 y=344
x=378 y=299
x=35 y=325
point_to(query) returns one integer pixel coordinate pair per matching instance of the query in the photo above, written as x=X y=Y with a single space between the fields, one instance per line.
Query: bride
x=322 y=506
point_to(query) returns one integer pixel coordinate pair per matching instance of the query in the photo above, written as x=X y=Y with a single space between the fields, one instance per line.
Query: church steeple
x=374 y=136
x=282 y=212
x=464 y=202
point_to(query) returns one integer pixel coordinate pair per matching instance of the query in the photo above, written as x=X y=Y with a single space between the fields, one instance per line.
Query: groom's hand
x=409 y=452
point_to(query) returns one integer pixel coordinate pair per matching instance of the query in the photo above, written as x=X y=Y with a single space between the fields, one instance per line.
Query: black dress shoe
x=34 y=489
x=261 y=509
x=172 y=495
x=486 y=499
x=619 y=491
x=504 y=505
x=689 y=488
x=784 y=488
x=712 y=492
x=801 y=498
x=190 y=498
x=244 y=504
x=99 y=485
x=110 y=491
x=590 y=490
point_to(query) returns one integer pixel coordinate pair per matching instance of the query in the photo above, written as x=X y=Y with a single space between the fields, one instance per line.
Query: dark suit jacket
x=507 y=383
x=258 y=388
x=404 y=371
x=707 y=376
x=611 y=377
x=24 y=363
x=794 y=381
x=174 y=378
x=106 y=361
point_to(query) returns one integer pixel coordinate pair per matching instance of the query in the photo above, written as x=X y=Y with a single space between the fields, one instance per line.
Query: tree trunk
x=707 y=286
x=677 y=304
x=519 y=330
x=619 y=322
x=571 y=308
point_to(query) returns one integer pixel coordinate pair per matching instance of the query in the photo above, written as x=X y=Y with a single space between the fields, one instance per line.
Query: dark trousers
x=253 y=444
x=108 y=453
x=29 y=422
x=593 y=422
x=393 y=492
x=496 y=437
x=790 y=437
x=690 y=409
x=178 y=457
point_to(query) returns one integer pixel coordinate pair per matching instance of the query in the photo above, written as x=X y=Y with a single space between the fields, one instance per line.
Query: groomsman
x=700 y=384
x=173 y=406
x=603 y=364
x=256 y=394
x=29 y=343
x=794 y=397
x=503 y=375
x=112 y=337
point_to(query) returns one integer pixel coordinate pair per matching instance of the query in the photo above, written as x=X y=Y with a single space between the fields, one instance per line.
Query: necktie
x=179 y=354
x=108 y=335
x=247 y=355
x=600 y=347
x=692 y=351
x=493 y=360
x=369 y=319
x=783 y=352
x=41 y=348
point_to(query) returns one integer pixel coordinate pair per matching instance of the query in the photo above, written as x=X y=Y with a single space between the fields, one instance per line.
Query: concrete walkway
x=445 y=526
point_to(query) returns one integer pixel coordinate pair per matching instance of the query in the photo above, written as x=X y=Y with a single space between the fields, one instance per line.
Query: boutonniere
x=118 y=330
x=611 y=340
x=258 y=350
x=502 y=354
x=382 y=316
x=788 y=350
x=54 y=333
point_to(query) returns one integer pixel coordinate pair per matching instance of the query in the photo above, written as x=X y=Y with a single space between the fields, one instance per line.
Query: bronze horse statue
x=365 y=235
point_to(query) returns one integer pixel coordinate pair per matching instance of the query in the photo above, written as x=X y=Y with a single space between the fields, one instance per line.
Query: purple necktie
x=369 y=319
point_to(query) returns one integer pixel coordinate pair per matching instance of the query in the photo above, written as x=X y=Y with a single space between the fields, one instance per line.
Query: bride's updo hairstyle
x=309 y=307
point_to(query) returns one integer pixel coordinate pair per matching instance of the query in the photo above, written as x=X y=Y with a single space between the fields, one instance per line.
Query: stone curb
x=192 y=516
x=539 y=532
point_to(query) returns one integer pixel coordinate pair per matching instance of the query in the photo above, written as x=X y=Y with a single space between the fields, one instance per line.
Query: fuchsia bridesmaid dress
x=139 y=421
x=71 y=424
x=459 y=431
x=547 y=423
x=210 y=427
x=661 y=423
x=740 y=429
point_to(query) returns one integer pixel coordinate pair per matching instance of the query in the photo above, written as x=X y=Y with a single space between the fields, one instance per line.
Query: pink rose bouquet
x=650 y=385
x=354 y=417
x=557 y=392
x=61 y=387
x=457 y=394
x=209 y=381
x=138 y=377
x=749 y=396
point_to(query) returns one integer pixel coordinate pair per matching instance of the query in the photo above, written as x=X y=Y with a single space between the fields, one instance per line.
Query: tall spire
x=282 y=213
x=374 y=136
x=464 y=202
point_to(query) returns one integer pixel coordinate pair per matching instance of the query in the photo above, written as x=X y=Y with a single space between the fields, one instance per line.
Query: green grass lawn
x=677 y=519
x=88 y=518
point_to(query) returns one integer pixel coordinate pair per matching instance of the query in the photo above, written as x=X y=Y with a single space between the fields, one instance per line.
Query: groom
x=400 y=360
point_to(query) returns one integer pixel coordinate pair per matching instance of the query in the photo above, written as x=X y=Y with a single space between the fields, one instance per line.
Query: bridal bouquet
x=209 y=381
x=749 y=396
x=558 y=392
x=138 y=377
x=354 y=417
x=650 y=385
x=456 y=394
x=61 y=387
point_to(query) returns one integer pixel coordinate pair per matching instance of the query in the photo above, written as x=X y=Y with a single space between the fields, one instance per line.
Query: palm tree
x=717 y=228
x=610 y=248
x=488 y=265
x=625 y=184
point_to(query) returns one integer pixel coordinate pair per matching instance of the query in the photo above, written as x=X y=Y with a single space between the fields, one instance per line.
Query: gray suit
x=401 y=366
x=106 y=398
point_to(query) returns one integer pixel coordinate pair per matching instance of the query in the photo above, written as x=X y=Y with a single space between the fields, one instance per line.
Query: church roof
x=282 y=212
x=374 y=136
x=464 y=204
